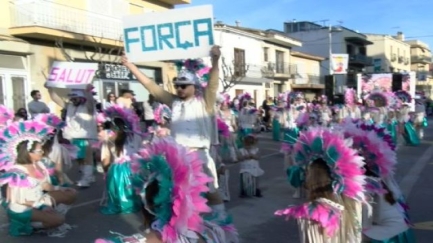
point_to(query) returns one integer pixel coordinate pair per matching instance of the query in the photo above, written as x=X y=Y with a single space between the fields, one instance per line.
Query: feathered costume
x=247 y=118
x=350 y=99
x=389 y=222
x=162 y=115
x=323 y=220
x=227 y=149
x=278 y=117
x=6 y=116
x=409 y=132
x=170 y=181
x=61 y=155
x=121 y=198
x=23 y=188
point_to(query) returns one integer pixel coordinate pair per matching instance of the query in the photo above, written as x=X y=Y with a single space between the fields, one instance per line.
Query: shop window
x=18 y=89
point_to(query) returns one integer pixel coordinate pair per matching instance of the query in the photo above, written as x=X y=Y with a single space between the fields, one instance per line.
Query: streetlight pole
x=330 y=50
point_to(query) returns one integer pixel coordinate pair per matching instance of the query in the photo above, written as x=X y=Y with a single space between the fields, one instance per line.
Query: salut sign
x=169 y=35
x=71 y=74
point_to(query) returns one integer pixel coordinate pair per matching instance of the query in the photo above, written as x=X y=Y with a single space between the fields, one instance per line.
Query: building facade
x=322 y=41
x=307 y=78
x=254 y=61
x=35 y=33
x=389 y=53
x=421 y=60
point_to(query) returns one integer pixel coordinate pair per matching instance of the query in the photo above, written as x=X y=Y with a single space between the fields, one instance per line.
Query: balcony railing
x=60 y=17
x=281 y=68
x=420 y=59
x=243 y=70
x=305 y=78
x=360 y=59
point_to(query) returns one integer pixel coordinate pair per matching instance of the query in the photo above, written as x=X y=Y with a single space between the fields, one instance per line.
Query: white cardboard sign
x=169 y=35
x=71 y=75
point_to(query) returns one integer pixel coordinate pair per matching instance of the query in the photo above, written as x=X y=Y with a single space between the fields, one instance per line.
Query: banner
x=169 y=35
x=71 y=75
x=339 y=63
x=376 y=81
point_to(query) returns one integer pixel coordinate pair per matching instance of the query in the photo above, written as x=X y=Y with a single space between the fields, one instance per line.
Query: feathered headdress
x=179 y=203
x=243 y=97
x=15 y=133
x=350 y=96
x=374 y=143
x=101 y=118
x=193 y=70
x=51 y=120
x=380 y=98
x=345 y=166
x=6 y=115
x=161 y=112
x=223 y=128
x=404 y=96
x=129 y=117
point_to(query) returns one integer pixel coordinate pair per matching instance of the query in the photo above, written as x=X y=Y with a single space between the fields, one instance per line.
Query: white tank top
x=79 y=123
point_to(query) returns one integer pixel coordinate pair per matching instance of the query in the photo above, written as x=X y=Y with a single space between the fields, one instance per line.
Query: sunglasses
x=182 y=86
x=38 y=151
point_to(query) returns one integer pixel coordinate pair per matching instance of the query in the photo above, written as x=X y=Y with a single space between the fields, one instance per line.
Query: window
x=18 y=89
x=279 y=60
x=265 y=54
x=362 y=50
x=239 y=63
x=350 y=50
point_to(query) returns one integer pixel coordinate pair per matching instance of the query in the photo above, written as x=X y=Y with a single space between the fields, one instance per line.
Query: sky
x=412 y=17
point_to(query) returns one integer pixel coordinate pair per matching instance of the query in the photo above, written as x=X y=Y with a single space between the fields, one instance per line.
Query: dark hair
x=23 y=157
x=47 y=146
x=126 y=91
x=121 y=135
x=18 y=113
x=322 y=186
x=108 y=96
x=34 y=92
x=151 y=191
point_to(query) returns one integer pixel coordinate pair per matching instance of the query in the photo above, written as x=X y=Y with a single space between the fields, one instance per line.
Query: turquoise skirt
x=410 y=135
x=392 y=129
x=82 y=145
x=291 y=135
x=242 y=133
x=121 y=197
x=20 y=223
x=406 y=237
x=276 y=130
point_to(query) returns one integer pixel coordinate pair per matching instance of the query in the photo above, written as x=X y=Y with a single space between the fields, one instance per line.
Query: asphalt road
x=253 y=217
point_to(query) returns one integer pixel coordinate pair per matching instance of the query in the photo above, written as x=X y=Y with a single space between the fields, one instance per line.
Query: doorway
x=13 y=89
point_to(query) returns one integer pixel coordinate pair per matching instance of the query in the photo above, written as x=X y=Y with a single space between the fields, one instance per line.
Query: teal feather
x=332 y=154
x=22 y=127
x=7 y=134
x=43 y=131
x=317 y=145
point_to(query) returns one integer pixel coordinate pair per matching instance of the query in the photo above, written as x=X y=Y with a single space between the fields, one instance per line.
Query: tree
x=232 y=74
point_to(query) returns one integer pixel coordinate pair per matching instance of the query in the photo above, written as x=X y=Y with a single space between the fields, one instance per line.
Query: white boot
x=421 y=133
x=87 y=176
x=62 y=209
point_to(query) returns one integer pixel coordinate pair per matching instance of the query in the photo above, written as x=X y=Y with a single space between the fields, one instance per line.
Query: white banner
x=169 y=35
x=71 y=75
x=339 y=63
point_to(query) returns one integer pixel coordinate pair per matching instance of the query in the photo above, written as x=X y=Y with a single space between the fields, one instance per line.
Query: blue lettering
x=208 y=32
x=164 y=39
x=185 y=45
x=154 y=46
x=128 y=40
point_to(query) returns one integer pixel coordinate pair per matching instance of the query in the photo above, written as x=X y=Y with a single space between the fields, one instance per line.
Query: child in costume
x=278 y=118
x=333 y=177
x=32 y=201
x=224 y=149
x=226 y=115
x=116 y=155
x=389 y=221
x=247 y=118
x=250 y=170
x=169 y=180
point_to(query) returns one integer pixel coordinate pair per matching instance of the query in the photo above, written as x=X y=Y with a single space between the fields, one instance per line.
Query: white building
x=254 y=61
x=323 y=40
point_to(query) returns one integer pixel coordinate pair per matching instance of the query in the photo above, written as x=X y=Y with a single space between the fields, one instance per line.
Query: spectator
x=36 y=106
x=110 y=100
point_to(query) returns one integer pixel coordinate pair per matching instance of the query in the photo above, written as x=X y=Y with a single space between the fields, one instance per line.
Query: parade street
x=253 y=216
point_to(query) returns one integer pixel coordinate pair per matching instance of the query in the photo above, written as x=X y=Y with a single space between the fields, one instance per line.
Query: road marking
x=408 y=182
x=2 y=226
x=424 y=226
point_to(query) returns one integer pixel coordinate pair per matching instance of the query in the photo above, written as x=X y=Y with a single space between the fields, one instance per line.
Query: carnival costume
x=227 y=142
x=61 y=155
x=409 y=132
x=250 y=169
x=247 y=118
x=389 y=221
x=278 y=117
x=324 y=113
x=121 y=198
x=23 y=188
x=419 y=119
x=170 y=181
x=323 y=220
x=353 y=110
x=162 y=116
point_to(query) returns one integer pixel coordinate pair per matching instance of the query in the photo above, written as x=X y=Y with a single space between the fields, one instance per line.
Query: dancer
x=250 y=170
x=81 y=128
x=419 y=117
x=333 y=176
x=352 y=108
x=116 y=154
x=32 y=202
x=193 y=121
x=406 y=128
x=162 y=116
x=227 y=143
x=247 y=118
x=278 y=117
x=169 y=179
x=324 y=112
x=389 y=221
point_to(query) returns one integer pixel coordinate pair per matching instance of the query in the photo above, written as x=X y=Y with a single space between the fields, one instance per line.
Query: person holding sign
x=193 y=121
x=80 y=128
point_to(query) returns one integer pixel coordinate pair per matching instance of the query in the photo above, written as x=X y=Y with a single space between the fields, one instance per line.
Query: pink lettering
x=79 y=76
x=53 y=74
x=68 y=80
x=62 y=77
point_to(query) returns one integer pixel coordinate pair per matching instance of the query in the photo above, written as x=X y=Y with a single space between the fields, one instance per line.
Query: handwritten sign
x=71 y=75
x=169 y=35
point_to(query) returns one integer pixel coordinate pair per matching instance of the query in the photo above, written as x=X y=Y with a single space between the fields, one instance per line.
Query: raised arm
x=157 y=91
x=211 y=90
x=54 y=97
x=90 y=100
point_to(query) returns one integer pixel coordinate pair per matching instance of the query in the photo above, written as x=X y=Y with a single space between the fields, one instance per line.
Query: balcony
x=400 y=59
x=279 y=70
x=50 y=21
x=421 y=59
x=360 y=59
x=393 y=57
x=245 y=73
x=306 y=80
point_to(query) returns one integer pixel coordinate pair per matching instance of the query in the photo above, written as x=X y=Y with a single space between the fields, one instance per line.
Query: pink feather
x=6 y=115
x=223 y=129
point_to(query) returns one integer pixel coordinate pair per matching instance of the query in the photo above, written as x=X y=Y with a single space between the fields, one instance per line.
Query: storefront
x=14 y=81
x=113 y=78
